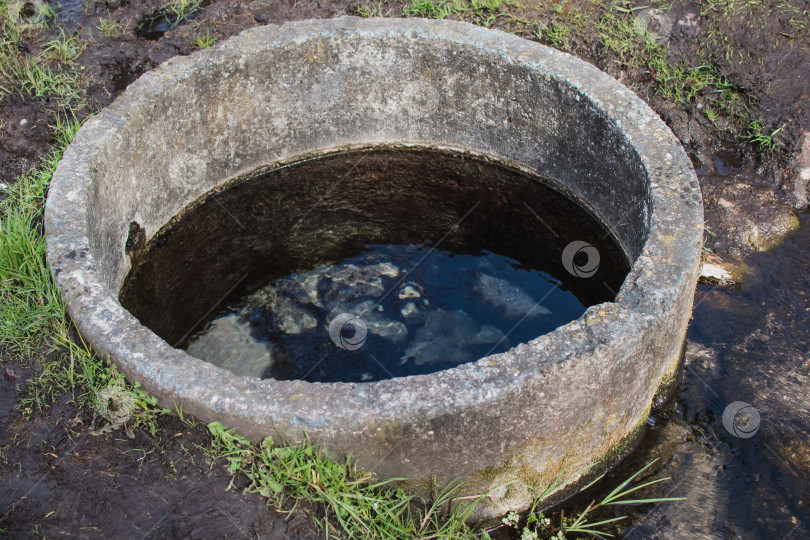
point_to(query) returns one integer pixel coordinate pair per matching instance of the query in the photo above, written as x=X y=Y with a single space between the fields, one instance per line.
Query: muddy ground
x=58 y=479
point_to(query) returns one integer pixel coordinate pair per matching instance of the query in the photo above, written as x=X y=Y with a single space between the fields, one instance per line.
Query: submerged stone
x=446 y=314
x=445 y=337
x=511 y=299
x=230 y=345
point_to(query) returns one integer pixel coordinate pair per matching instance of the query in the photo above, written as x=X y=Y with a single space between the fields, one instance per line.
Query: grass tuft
x=65 y=48
x=30 y=302
x=38 y=80
x=358 y=506
x=481 y=12
x=537 y=525
x=203 y=41
x=111 y=28
x=33 y=74
x=178 y=11
x=367 y=11
x=429 y=9
x=764 y=142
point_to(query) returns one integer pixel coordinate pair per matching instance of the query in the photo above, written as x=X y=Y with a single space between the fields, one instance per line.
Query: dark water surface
x=407 y=310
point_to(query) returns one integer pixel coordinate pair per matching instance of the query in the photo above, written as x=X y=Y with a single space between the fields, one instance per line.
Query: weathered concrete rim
x=663 y=272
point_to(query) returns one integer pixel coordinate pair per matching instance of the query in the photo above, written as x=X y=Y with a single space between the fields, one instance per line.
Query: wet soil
x=749 y=344
x=753 y=345
x=25 y=139
x=59 y=479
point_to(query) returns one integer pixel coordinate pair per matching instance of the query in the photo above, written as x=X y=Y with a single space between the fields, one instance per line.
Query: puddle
x=154 y=27
x=750 y=345
x=727 y=162
x=422 y=259
x=69 y=13
x=160 y=22
x=724 y=162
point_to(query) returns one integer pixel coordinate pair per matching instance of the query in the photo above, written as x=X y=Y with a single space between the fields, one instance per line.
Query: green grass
x=178 y=11
x=680 y=83
x=556 y=34
x=38 y=80
x=760 y=138
x=30 y=303
x=711 y=116
x=481 y=12
x=50 y=74
x=630 y=41
x=367 y=11
x=110 y=27
x=203 y=41
x=565 y=23
x=359 y=506
x=429 y=9
x=584 y=524
x=65 y=48
x=363 y=508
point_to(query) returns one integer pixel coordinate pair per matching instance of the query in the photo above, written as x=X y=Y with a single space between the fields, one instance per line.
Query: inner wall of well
x=245 y=112
x=321 y=210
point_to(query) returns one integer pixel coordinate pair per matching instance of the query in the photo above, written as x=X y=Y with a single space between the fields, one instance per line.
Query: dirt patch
x=759 y=52
x=59 y=479
x=742 y=210
x=25 y=138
